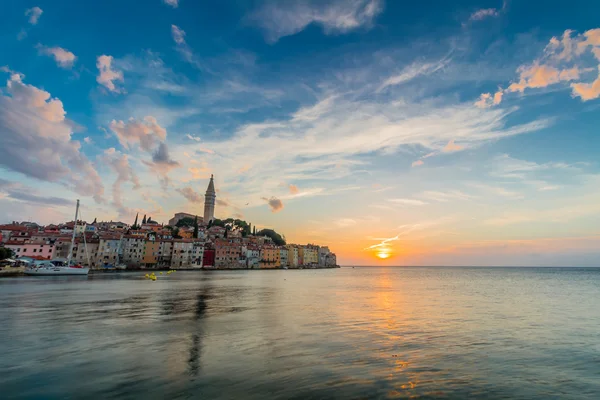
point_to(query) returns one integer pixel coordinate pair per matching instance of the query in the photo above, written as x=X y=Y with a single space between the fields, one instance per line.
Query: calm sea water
x=453 y=333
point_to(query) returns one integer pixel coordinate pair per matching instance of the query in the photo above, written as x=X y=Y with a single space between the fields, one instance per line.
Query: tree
x=149 y=220
x=176 y=233
x=254 y=231
x=94 y=223
x=196 y=227
x=135 y=223
x=210 y=223
x=187 y=221
x=5 y=253
x=226 y=230
x=276 y=237
x=144 y=220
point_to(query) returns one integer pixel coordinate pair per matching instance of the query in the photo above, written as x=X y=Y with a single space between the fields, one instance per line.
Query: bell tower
x=209 y=202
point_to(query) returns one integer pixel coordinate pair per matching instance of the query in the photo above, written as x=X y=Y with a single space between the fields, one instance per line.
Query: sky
x=395 y=132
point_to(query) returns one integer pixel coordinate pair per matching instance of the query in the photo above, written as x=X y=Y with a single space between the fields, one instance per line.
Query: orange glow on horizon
x=383 y=254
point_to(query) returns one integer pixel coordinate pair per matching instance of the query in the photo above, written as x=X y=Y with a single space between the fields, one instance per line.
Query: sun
x=383 y=254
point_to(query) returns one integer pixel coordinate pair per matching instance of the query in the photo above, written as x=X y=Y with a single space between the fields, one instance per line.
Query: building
x=270 y=257
x=292 y=255
x=165 y=252
x=37 y=250
x=108 y=250
x=252 y=256
x=208 y=258
x=132 y=249
x=283 y=257
x=209 y=202
x=151 y=253
x=14 y=232
x=179 y=216
x=308 y=255
x=323 y=252
x=228 y=254
x=187 y=253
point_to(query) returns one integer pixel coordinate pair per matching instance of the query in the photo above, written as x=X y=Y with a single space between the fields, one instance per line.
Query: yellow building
x=270 y=257
x=308 y=255
x=292 y=255
x=151 y=250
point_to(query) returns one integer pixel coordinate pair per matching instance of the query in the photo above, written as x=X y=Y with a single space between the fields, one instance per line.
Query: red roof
x=13 y=228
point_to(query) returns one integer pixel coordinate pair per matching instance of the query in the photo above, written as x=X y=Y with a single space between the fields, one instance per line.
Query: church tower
x=209 y=202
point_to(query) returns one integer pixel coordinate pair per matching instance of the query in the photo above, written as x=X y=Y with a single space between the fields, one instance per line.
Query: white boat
x=46 y=268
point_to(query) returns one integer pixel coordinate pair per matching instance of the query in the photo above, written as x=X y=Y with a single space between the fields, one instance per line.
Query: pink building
x=35 y=250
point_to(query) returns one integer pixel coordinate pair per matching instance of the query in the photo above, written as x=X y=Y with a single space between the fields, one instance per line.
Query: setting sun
x=383 y=254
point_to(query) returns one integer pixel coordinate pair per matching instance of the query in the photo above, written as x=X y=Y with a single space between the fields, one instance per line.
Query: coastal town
x=188 y=241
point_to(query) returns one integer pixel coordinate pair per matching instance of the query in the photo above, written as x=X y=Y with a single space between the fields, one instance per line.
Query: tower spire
x=209 y=201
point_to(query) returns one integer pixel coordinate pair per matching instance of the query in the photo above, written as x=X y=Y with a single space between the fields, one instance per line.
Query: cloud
x=22 y=34
x=279 y=19
x=540 y=76
x=88 y=140
x=587 y=91
x=487 y=100
x=191 y=195
x=199 y=173
x=274 y=203
x=108 y=75
x=162 y=163
x=36 y=139
x=345 y=222
x=64 y=58
x=417 y=163
x=408 y=202
x=222 y=203
x=172 y=3
x=146 y=133
x=452 y=147
x=483 y=14
x=294 y=189
x=412 y=71
x=21 y=193
x=34 y=15
x=443 y=197
x=194 y=138
x=119 y=164
x=178 y=34
x=563 y=60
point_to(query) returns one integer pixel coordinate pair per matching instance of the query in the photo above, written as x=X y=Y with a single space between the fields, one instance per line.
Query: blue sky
x=422 y=133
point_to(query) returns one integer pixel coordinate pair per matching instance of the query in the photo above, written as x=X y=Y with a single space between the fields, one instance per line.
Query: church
x=209 y=202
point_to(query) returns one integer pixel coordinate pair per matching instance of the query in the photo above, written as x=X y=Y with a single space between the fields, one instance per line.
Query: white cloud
x=484 y=13
x=443 y=197
x=147 y=133
x=413 y=71
x=417 y=163
x=34 y=15
x=172 y=3
x=36 y=139
x=192 y=137
x=178 y=34
x=88 y=140
x=64 y=58
x=279 y=19
x=108 y=75
x=408 y=202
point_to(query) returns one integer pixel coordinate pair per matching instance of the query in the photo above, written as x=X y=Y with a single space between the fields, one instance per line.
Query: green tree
x=176 y=233
x=196 y=227
x=144 y=220
x=5 y=253
x=254 y=231
x=187 y=221
x=94 y=223
x=134 y=226
x=149 y=220
x=276 y=237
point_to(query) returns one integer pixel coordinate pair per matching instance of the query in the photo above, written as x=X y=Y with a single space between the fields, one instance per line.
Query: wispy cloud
x=274 y=204
x=279 y=19
x=408 y=202
x=34 y=15
x=64 y=58
x=172 y=3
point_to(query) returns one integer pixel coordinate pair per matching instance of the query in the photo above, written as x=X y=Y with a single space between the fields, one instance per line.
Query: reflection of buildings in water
x=196 y=348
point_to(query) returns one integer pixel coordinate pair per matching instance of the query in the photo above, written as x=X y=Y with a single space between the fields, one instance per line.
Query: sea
x=348 y=333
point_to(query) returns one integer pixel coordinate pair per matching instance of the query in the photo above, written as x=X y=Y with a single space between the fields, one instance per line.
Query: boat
x=56 y=267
